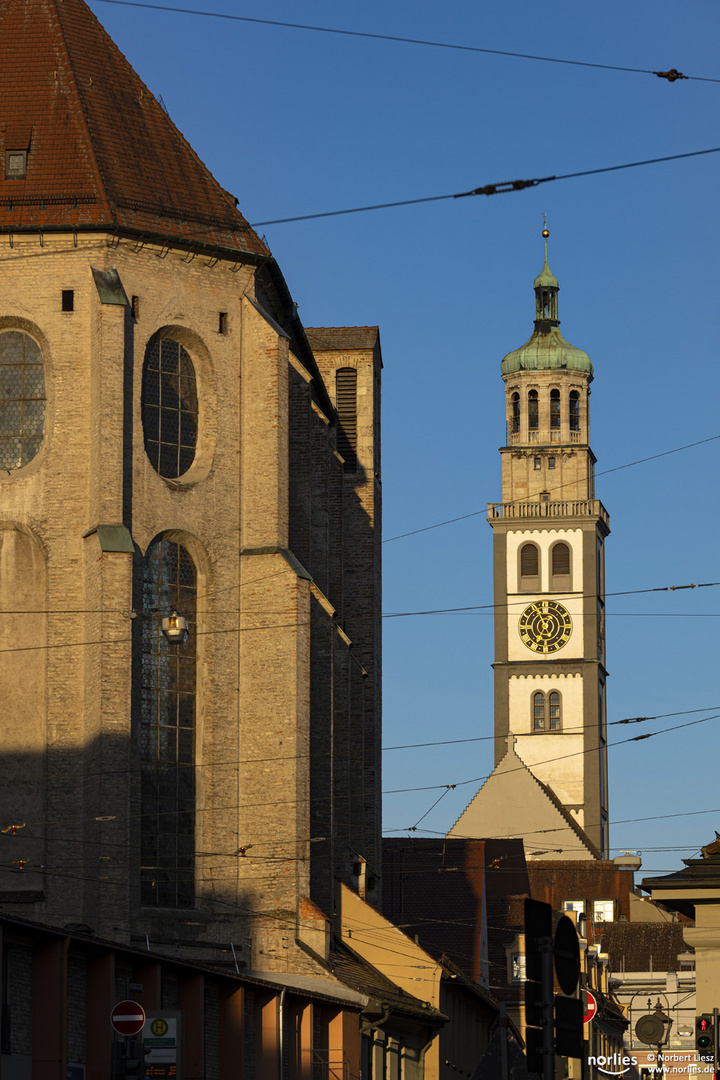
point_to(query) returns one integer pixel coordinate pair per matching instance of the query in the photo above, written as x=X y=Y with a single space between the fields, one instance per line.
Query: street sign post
x=127 y=1017
x=591 y=1007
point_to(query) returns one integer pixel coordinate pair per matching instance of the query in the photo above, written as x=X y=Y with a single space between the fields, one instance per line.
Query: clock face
x=545 y=626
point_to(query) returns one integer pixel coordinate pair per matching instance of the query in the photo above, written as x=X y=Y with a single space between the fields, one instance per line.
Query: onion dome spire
x=547 y=349
x=546 y=292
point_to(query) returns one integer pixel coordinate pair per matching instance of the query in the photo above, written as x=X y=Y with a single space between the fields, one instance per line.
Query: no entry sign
x=591 y=1008
x=127 y=1017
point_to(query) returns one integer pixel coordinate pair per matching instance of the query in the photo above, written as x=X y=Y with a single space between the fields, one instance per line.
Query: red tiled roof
x=103 y=153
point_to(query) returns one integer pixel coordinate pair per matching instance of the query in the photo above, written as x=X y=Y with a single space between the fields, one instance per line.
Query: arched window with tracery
x=169 y=407
x=167 y=730
x=533 y=413
x=22 y=399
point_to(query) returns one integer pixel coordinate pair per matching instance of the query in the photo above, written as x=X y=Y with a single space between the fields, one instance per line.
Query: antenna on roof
x=161 y=103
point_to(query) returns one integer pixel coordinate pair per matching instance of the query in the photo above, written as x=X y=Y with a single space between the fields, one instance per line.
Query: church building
x=549 y=784
x=189 y=536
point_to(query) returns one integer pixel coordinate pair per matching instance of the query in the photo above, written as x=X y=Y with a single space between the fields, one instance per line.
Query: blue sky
x=297 y=122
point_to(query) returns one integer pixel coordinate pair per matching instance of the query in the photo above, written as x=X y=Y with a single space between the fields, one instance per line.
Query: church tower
x=549 y=590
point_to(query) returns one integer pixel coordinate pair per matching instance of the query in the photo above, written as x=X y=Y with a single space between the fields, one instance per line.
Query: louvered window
x=533 y=415
x=346 y=403
x=529 y=561
x=561 y=559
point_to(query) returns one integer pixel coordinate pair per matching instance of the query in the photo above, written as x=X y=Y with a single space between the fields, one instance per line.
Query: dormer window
x=15 y=164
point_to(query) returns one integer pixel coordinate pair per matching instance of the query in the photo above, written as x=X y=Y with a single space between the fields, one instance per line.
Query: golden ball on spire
x=546 y=233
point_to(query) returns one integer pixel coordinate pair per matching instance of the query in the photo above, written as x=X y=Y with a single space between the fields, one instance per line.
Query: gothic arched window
x=169 y=407
x=533 y=415
x=22 y=399
x=168 y=731
x=554 y=409
x=574 y=410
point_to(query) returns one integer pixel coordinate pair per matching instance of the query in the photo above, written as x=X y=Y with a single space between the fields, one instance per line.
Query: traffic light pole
x=548 y=1018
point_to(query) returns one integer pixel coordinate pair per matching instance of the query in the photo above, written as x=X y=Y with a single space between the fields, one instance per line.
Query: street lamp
x=175 y=628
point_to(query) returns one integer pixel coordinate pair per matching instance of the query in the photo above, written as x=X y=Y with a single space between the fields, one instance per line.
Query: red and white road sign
x=591 y=1008
x=127 y=1017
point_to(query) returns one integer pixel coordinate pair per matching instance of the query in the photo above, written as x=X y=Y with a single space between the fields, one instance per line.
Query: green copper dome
x=547 y=349
x=547 y=352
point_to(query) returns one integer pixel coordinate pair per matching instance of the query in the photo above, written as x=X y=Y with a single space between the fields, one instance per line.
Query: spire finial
x=545 y=231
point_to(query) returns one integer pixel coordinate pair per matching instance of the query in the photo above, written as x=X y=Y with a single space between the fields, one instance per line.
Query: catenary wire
x=503 y=187
x=672 y=76
x=556 y=487
x=360 y=794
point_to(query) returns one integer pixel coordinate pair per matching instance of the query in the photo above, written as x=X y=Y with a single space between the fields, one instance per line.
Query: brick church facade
x=173 y=441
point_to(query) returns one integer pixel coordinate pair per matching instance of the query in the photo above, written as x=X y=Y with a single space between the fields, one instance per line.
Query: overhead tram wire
x=501 y=188
x=557 y=487
x=673 y=75
x=353 y=795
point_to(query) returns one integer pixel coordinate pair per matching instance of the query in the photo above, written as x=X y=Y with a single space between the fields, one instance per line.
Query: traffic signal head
x=704 y=1032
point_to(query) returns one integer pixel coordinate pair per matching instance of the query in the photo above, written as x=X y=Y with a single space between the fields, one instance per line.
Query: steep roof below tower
x=514 y=803
x=102 y=153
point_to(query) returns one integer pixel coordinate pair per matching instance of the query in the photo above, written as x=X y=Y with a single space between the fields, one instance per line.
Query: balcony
x=536 y=437
x=512 y=511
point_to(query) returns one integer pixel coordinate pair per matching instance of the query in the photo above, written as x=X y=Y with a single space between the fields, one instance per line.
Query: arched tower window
x=169 y=407
x=168 y=731
x=529 y=568
x=555 y=409
x=538 y=711
x=554 y=710
x=533 y=415
x=515 y=413
x=346 y=404
x=560 y=567
x=22 y=399
x=574 y=410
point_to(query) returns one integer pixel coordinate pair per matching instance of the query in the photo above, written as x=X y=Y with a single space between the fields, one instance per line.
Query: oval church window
x=169 y=407
x=22 y=399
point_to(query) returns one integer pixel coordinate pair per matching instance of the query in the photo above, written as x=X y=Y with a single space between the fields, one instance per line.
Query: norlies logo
x=615 y=1060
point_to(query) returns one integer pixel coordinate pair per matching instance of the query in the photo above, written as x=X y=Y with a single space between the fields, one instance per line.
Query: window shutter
x=561 y=559
x=529 y=561
x=346 y=404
